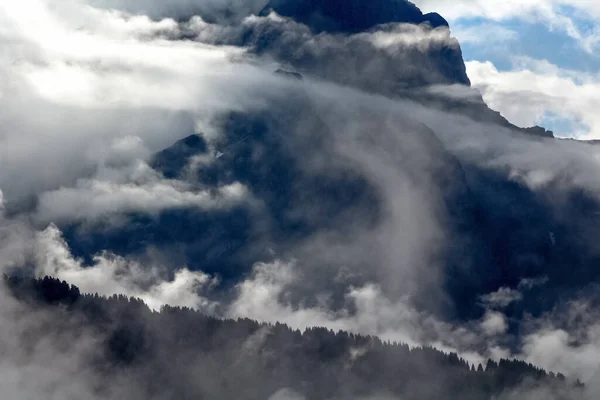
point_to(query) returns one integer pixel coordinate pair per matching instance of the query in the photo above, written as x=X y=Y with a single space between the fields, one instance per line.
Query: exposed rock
x=539 y=131
x=289 y=74
x=351 y=16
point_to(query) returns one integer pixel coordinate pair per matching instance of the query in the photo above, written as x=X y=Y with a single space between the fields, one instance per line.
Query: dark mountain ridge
x=352 y=16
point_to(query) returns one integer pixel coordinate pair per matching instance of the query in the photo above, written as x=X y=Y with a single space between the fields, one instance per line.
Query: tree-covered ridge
x=182 y=353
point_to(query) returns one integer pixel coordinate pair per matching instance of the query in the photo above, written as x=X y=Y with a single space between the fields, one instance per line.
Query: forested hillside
x=184 y=354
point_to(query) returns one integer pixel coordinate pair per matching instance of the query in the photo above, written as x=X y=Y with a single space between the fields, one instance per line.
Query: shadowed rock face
x=351 y=16
x=441 y=63
x=539 y=131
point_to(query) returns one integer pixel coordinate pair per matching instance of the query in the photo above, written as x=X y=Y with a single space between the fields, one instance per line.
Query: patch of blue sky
x=583 y=21
x=523 y=38
x=563 y=127
x=507 y=42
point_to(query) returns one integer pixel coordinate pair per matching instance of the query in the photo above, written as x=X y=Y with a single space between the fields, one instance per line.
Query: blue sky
x=532 y=39
x=535 y=61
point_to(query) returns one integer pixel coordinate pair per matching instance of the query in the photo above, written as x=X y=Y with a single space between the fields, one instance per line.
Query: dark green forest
x=180 y=353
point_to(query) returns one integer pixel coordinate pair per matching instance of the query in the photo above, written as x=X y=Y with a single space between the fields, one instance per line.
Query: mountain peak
x=351 y=16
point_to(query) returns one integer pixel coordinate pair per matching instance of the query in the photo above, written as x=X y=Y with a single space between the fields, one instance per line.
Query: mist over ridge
x=303 y=162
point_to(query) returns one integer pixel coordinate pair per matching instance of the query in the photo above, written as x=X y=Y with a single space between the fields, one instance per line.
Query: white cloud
x=530 y=283
x=409 y=35
x=534 y=89
x=113 y=60
x=258 y=297
x=80 y=77
x=266 y=296
x=15 y=240
x=494 y=323
x=111 y=274
x=501 y=298
x=145 y=191
x=567 y=340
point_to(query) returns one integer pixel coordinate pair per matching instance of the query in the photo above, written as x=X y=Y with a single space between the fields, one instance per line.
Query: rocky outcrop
x=352 y=16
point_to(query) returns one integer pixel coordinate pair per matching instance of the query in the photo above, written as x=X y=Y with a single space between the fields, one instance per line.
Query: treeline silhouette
x=180 y=353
